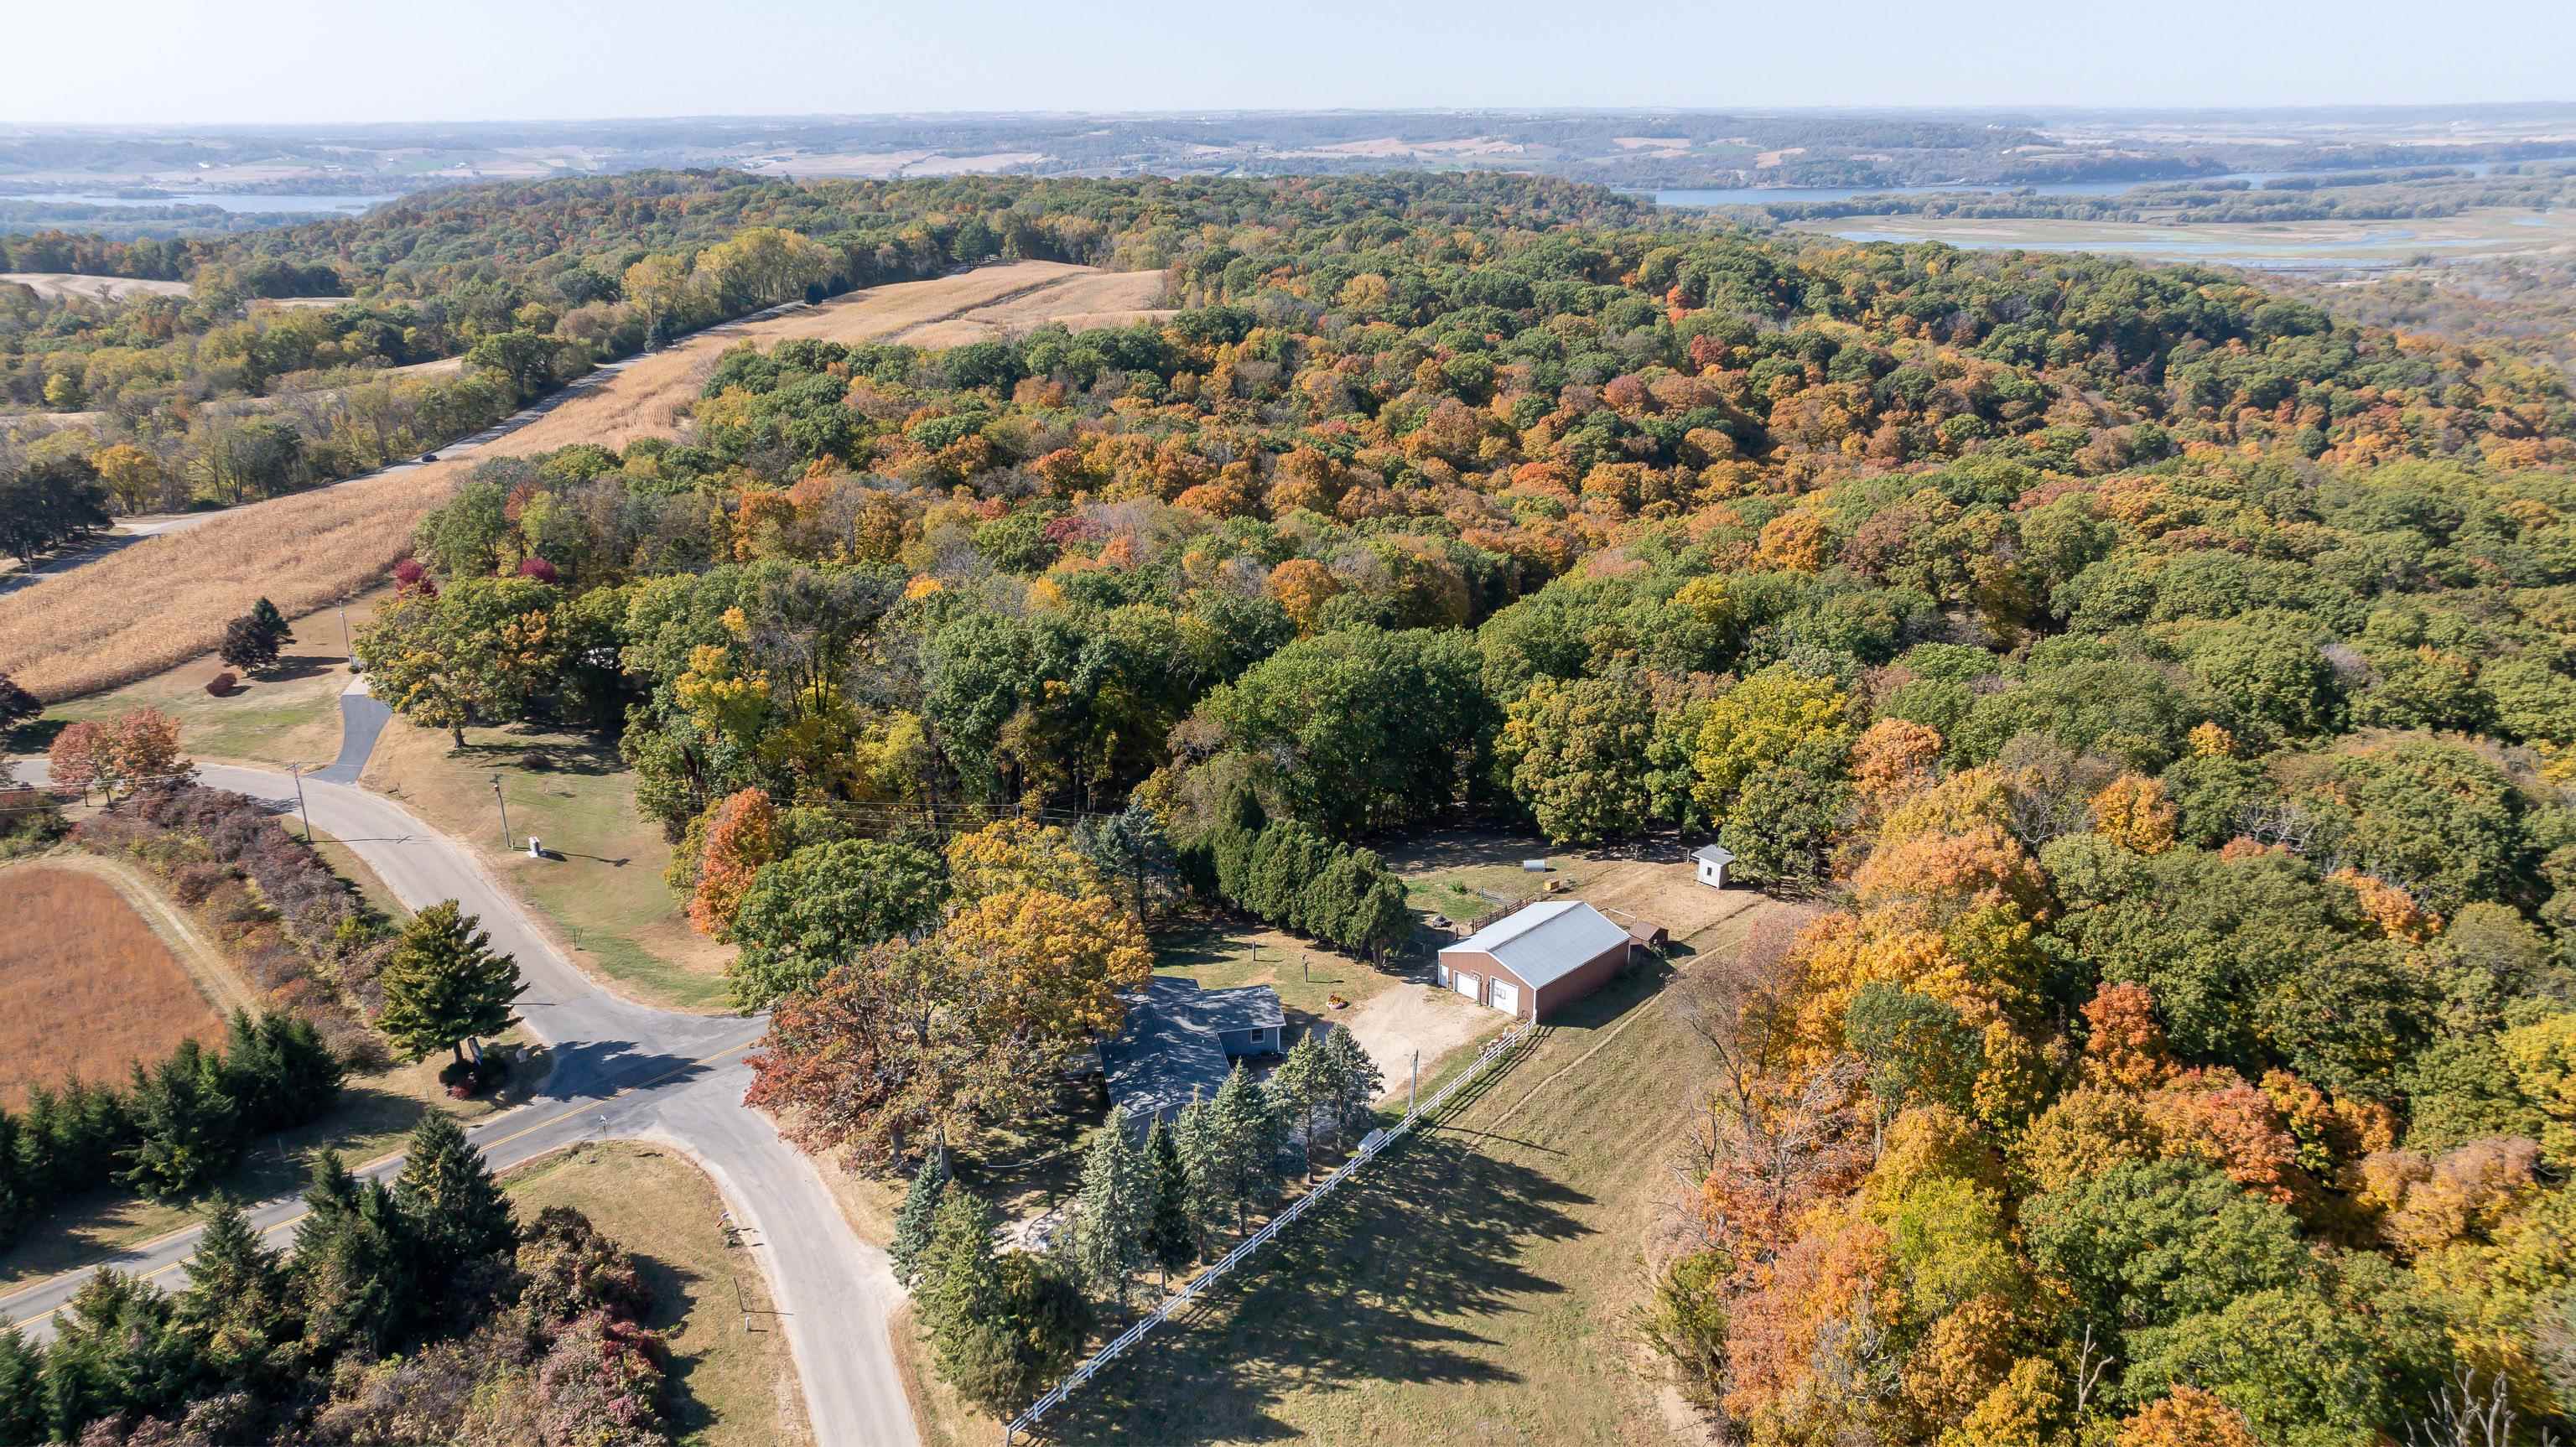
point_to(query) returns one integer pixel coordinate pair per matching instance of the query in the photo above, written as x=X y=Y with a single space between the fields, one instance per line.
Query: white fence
x=1196 y=1286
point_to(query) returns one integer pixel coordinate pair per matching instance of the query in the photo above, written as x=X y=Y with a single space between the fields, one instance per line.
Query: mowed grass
x=1475 y=1285
x=86 y=988
x=288 y=715
x=732 y=1376
x=604 y=896
x=1221 y=954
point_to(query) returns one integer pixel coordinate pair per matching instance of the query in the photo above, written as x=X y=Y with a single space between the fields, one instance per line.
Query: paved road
x=620 y=1070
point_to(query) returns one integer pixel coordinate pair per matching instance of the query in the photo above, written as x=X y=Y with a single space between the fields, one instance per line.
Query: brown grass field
x=86 y=987
x=92 y=288
x=162 y=601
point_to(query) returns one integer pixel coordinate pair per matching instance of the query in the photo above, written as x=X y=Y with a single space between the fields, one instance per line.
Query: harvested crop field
x=1099 y=299
x=51 y=284
x=154 y=604
x=86 y=987
x=163 y=600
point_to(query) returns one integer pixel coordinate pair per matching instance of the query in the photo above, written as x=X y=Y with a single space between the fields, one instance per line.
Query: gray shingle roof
x=1167 y=1052
x=1713 y=854
x=1546 y=941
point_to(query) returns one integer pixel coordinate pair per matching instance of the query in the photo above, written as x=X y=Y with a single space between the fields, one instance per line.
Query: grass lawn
x=732 y=1375
x=604 y=896
x=1220 y=954
x=1474 y=1286
x=289 y=716
x=345 y=862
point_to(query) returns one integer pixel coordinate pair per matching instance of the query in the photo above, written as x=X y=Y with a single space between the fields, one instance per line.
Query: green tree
x=1129 y=847
x=114 y=1350
x=1760 y=724
x=444 y=985
x=22 y=1400
x=460 y=1225
x=1351 y=1079
x=477 y=651
x=1171 y=1241
x=1113 y=1211
x=2304 y=1371
x=1919 y=1050
x=917 y=1218
x=351 y=1264
x=187 y=1129
x=2147 y=1243
x=238 y=1308
x=1578 y=756
x=1000 y=1325
x=1241 y=1146
x=826 y=904
x=1302 y=1082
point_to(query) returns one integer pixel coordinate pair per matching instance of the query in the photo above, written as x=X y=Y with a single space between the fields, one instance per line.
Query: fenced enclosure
x=1377 y=1141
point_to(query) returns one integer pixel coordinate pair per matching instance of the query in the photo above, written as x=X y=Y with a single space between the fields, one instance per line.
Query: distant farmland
x=163 y=601
x=52 y=284
x=86 y=987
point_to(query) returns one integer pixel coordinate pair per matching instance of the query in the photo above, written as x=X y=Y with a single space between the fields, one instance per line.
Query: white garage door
x=1507 y=996
x=1467 y=985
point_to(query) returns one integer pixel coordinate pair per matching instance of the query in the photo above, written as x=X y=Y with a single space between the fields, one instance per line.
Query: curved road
x=620 y=1069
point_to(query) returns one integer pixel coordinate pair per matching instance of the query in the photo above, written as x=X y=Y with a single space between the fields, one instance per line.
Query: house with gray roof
x=1179 y=1043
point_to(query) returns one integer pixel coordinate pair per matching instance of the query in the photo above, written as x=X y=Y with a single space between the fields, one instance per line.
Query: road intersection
x=619 y=1069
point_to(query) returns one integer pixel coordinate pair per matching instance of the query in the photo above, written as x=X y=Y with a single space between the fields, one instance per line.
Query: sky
x=165 y=62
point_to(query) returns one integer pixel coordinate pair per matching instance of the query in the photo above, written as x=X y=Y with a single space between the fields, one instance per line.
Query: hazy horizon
x=305 y=63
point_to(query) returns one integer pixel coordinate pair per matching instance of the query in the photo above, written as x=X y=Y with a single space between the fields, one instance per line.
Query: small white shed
x=1711 y=860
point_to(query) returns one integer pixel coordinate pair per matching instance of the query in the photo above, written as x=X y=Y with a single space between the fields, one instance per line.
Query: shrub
x=221 y=684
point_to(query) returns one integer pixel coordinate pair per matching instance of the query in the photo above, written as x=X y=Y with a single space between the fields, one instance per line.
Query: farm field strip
x=87 y=985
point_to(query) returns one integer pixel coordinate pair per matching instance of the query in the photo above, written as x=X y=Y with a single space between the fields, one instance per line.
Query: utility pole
x=296 y=772
x=1415 y=1088
x=347 y=650
x=505 y=813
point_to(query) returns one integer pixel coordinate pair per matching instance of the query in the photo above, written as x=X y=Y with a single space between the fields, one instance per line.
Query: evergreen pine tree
x=1202 y=1169
x=999 y=1325
x=22 y=1401
x=187 y=1129
x=238 y=1310
x=1301 y=1083
x=114 y=1351
x=17 y=1203
x=352 y=1277
x=1382 y=921
x=271 y=623
x=913 y=1224
x=1113 y=1211
x=457 y=1217
x=444 y=985
x=1243 y=1144
x=1171 y=1242
x=1351 y=1079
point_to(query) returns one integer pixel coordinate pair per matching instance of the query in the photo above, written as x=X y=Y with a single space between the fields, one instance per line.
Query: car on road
x=429 y=457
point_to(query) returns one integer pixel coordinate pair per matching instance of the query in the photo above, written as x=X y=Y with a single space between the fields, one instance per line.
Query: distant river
x=1780 y=195
x=229 y=201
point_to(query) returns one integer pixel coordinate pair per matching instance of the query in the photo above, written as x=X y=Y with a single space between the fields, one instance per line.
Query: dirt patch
x=1424 y=1018
x=1079 y=303
x=55 y=285
x=87 y=988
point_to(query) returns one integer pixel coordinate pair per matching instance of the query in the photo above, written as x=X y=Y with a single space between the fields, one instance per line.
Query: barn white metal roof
x=1546 y=941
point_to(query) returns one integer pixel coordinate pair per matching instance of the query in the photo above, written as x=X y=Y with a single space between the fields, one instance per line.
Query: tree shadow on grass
x=1383 y=1285
x=676 y=1290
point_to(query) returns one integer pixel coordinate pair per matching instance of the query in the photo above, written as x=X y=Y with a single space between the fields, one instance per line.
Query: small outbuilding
x=1645 y=934
x=1711 y=861
x=1534 y=960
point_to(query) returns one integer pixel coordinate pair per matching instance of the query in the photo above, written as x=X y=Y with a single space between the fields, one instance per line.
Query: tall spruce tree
x=113 y=1351
x=238 y=1309
x=919 y=1216
x=1171 y=1242
x=187 y=1128
x=1243 y=1144
x=22 y=1401
x=351 y=1265
x=17 y=1202
x=1351 y=1079
x=271 y=623
x=1000 y=1324
x=459 y=1222
x=1113 y=1212
x=445 y=986
x=1301 y=1084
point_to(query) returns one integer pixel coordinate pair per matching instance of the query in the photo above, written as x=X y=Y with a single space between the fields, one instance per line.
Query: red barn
x=1532 y=961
